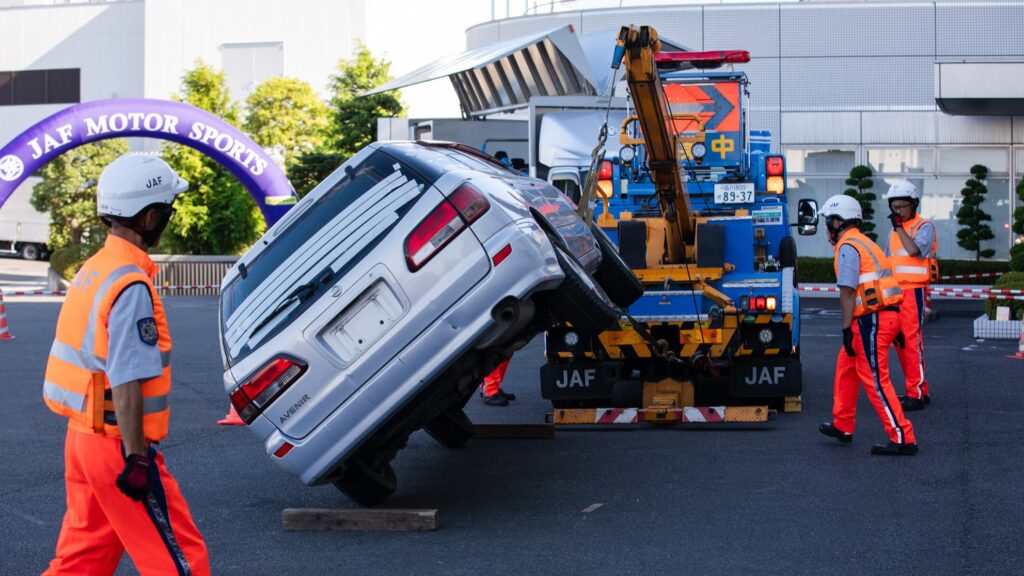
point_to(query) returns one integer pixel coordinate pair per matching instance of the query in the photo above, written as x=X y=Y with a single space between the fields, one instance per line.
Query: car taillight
x=775 y=167
x=443 y=224
x=605 y=172
x=263 y=387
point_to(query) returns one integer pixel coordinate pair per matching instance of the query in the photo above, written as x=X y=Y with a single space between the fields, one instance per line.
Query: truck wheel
x=787 y=256
x=618 y=281
x=30 y=251
x=365 y=484
x=579 y=300
x=451 y=428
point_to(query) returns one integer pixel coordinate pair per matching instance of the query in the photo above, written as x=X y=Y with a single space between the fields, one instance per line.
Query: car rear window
x=329 y=237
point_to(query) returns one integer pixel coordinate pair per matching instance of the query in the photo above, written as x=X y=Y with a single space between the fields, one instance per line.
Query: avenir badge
x=147 y=331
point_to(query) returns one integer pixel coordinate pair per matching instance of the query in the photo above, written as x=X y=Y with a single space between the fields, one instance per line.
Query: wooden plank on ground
x=359 y=519
x=512 y=431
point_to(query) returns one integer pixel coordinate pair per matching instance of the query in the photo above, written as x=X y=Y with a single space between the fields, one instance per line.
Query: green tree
x=860 y=182
x=68 y=193
x=972 y=218
x=1017 y=251
x=353 y=118
x=286 y=117
x=216 y=215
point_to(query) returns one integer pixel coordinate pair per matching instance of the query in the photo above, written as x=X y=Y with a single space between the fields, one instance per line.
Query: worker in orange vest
x=869 y=298
x=911 y=249
x=109 y=373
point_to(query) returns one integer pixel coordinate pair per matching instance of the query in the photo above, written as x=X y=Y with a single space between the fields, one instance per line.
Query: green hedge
x=821 y=270
x=66 y=261
x=1009 y=281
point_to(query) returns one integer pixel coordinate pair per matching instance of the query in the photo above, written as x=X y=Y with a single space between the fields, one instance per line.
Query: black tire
x=451 y=428
x=787 y=256
x=579 y=300
x=365 y=484
x=619 y=282
x=30 y=252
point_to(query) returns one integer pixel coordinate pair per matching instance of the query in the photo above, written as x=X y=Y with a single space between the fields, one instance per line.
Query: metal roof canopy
x=980 y=88
x=506 y=75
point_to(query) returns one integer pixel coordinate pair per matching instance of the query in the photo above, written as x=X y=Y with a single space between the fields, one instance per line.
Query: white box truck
x=23 y=229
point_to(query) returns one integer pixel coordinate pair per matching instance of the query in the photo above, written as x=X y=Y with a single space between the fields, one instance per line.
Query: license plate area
x=578 y=380
x=363 y=322
x=734 y=193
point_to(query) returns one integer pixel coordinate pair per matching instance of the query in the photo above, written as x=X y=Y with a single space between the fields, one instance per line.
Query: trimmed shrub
x=1008 y=281
x=66 y=261
x=821 y=270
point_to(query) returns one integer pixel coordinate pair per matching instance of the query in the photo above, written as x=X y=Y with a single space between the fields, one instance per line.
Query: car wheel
x=366 y=484
x=451 y=428
x=619 y=282
x=787 y=257
x=30 y=251
x=579 y=300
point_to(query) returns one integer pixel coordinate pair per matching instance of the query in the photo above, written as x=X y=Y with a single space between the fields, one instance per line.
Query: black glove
x=134 y=479
x=848 y=341
x=897 y=221
x=900 y=340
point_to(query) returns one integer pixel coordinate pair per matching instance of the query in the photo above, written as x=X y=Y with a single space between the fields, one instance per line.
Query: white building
x=55 y=52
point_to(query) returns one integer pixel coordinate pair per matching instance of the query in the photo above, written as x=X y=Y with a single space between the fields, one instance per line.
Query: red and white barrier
x=968 y=276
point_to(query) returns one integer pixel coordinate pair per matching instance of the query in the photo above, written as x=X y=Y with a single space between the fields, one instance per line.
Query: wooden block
x=359 y=519
x=793 y=404
x=512 y=431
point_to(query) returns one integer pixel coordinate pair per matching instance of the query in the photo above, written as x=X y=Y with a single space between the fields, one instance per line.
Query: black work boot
x=506 y=395
x=829 y=430
x=894 y=449
x=496 y=400
x=911 y=404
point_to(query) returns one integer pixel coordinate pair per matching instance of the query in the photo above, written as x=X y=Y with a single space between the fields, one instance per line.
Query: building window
x=960 y=160
x=901 y=160
x=26 y=87
x=819 y=161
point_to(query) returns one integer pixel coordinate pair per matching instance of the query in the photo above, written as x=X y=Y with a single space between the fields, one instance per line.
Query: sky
x=412 y=41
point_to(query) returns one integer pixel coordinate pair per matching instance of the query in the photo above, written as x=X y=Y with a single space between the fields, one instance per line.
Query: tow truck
x=696 y=204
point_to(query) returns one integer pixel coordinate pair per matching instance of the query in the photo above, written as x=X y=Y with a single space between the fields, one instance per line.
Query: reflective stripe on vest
x=912 y=271
x=877 y=287
x=76 y=385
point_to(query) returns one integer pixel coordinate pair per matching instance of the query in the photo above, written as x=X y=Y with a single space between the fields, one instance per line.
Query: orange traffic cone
x=5 y=332
x=231 y=418
x=1020 y=346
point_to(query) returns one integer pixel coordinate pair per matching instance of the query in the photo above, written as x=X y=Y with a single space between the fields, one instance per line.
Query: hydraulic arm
x=637 y=48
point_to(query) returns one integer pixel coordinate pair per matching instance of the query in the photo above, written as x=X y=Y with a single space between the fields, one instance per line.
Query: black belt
x=890 y=309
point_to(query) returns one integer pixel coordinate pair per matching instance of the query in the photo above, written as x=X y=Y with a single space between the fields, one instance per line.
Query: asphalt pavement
x=772 y=499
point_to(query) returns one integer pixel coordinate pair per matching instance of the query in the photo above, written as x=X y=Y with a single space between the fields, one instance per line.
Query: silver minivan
x=377 y=304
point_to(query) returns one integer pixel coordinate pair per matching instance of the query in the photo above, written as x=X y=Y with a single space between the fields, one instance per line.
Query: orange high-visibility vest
x=76 y=384
x=913 y=271
x=877 y=287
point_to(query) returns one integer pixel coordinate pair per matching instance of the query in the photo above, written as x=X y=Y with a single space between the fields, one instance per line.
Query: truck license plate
x=734 y=193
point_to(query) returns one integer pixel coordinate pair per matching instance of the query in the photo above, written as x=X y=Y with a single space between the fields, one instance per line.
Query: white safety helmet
x=131 y=183
x=843 y=207
x=903 y=189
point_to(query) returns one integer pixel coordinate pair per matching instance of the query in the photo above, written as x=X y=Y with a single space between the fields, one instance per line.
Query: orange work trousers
x=492 y=382
x=872 y=335
x=912 y=355
x=101 y=522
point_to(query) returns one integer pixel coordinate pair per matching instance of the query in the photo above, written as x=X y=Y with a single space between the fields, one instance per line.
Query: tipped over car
x=377 y=304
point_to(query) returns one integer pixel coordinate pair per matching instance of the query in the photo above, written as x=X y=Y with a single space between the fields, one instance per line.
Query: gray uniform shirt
x=849 y=267
x=132 y=352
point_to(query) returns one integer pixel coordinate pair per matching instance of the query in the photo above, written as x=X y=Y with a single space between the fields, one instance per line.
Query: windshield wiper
x=299 y=294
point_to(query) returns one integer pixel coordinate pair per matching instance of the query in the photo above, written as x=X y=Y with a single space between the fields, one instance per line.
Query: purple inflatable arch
x=140 y=117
